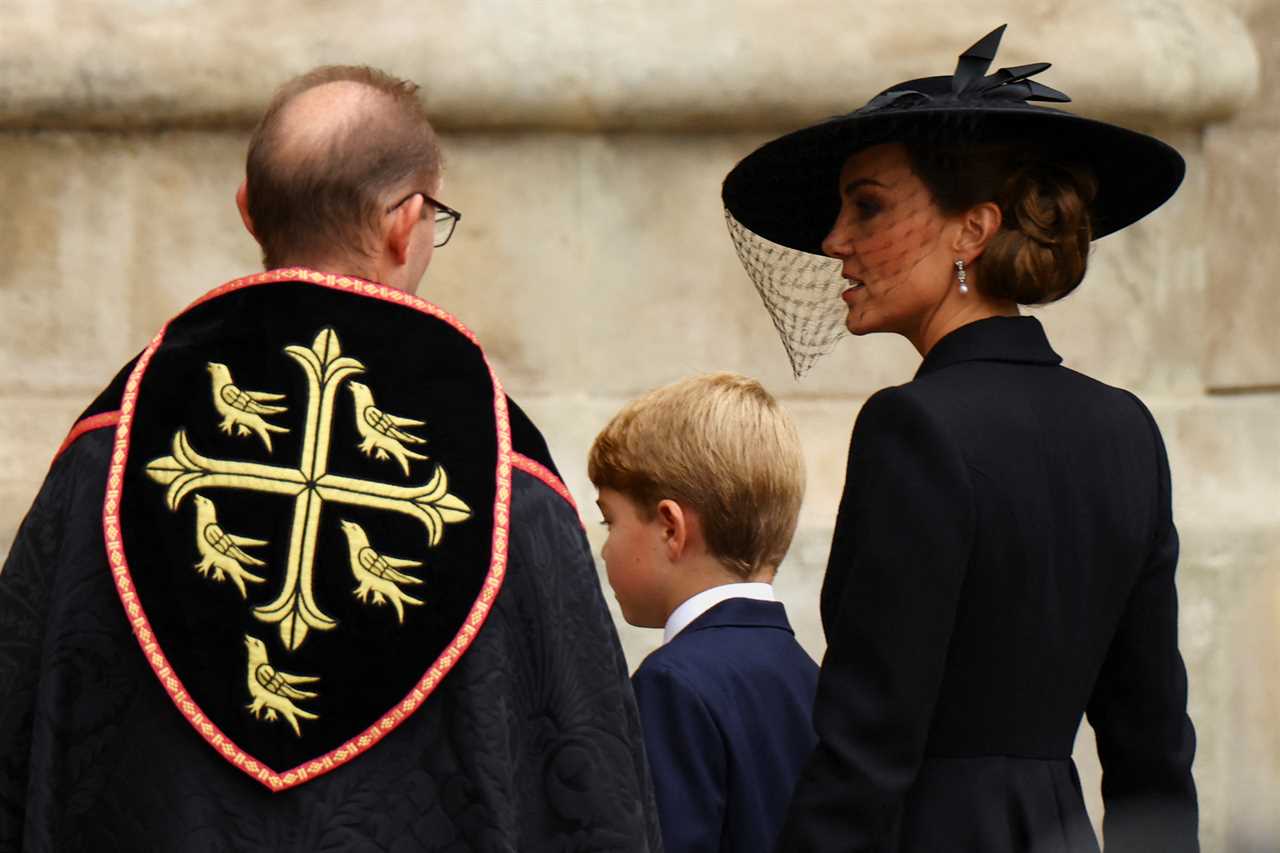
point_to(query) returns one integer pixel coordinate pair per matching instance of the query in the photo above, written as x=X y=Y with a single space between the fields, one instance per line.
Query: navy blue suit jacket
x=726 y=708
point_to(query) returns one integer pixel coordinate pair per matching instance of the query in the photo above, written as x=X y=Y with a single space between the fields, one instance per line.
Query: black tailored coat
x=1003 y=563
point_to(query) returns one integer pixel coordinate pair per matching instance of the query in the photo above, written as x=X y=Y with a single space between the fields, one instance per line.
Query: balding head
x=333 y=149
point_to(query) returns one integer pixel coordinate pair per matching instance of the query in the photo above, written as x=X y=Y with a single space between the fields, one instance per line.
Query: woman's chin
x=859 y=325
x=865 y=322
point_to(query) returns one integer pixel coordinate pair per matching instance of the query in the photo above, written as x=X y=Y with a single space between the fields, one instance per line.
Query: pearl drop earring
x=961 y=276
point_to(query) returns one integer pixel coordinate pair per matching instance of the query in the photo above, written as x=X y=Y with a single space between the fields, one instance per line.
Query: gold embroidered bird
x=377 y=573
x=276 y=690
x=221 y=551
x=243 y=410
x=383 y=434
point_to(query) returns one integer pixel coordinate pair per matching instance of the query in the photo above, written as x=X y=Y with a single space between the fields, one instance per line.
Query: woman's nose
x=837 y=243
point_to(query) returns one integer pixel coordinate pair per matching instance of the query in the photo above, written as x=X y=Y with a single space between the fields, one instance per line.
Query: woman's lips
x=854 y=287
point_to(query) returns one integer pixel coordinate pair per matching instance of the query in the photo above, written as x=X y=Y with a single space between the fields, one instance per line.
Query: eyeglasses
x=446 y=218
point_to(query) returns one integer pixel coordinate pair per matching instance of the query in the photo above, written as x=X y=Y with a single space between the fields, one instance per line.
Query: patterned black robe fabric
x=531 y=742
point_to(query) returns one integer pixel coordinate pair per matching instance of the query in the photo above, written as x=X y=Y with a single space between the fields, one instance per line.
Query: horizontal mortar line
x=676 y=120
x=1243 y=390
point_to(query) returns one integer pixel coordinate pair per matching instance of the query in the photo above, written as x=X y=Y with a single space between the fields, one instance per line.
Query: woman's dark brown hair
x=1042 y=249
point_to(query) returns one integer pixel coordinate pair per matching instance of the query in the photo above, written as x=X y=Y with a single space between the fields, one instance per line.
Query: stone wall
x=586 y=143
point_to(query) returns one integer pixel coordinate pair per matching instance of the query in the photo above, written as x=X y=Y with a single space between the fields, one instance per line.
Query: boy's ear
x=674 y=527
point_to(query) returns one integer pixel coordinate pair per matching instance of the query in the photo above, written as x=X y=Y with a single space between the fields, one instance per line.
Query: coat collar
x=1013 y=339
x=741 y=613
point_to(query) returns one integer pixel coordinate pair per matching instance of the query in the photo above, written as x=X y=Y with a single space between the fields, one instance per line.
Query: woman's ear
x=978 y=225
x=673 y=524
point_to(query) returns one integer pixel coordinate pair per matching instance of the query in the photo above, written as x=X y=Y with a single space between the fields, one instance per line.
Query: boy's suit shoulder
x=725 y=707
x=738 y=646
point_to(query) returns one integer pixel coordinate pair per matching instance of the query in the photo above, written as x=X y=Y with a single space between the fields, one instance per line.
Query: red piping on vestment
x=89 y=424
x=531 y=466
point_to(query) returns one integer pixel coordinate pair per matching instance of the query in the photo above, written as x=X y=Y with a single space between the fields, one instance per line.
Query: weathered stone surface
x=104 y=238
x=1243 y=314
x=1137 y=319
x=31 y=428
x=1263 y=20
x=591 y=66
x=1244 y=732
x=1225 y=457
x=1242 y=350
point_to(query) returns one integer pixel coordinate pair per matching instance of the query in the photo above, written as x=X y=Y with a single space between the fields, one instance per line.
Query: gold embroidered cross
x=310 y=485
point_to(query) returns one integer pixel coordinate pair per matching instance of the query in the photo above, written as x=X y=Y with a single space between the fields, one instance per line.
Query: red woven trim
x=543 y=473
x=228 y=749
x=89 y=424
x=348 y=283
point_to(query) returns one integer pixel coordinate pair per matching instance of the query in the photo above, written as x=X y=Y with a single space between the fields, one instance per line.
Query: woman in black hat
x=1004 y=553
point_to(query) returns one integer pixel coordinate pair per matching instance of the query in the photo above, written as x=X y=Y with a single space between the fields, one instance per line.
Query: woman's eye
x=866 y=208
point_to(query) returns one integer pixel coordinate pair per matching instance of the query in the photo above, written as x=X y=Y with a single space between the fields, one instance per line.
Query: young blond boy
x=700 y=484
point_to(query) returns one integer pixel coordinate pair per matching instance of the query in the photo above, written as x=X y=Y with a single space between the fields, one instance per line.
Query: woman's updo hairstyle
x=1042 y=249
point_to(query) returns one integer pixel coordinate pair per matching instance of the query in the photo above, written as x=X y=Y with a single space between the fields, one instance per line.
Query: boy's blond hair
x=718 y=444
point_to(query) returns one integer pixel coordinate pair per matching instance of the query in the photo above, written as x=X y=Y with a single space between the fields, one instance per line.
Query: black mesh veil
x=801 y=292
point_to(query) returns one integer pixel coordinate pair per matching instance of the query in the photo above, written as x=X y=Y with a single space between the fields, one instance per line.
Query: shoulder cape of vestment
x=306 y=515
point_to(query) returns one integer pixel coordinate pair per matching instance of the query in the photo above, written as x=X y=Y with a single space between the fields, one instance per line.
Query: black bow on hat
x=969 y=83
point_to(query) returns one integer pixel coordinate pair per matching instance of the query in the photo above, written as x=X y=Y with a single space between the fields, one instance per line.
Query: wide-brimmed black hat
x=786 y=192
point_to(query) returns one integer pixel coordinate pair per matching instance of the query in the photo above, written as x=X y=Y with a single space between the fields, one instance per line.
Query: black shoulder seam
x=109 y=399
x=548 y=477
x=102 y=420
x=527 y=440
x=103 y=412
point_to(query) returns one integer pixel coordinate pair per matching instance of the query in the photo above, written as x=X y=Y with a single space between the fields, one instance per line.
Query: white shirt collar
x=696 y=605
